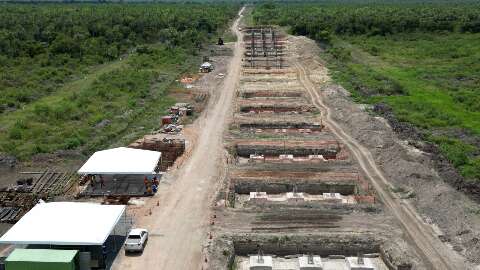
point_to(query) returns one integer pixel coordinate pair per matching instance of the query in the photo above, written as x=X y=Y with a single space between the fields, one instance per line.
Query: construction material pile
x=170 y=123
x=171 y=148
x=16 y=200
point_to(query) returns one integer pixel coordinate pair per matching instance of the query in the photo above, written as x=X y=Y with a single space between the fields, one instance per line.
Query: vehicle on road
x=136 y=240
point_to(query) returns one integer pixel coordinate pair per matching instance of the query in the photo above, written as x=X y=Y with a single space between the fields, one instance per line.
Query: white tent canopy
x=65 y=223
x=121 y=160
x=206 y=65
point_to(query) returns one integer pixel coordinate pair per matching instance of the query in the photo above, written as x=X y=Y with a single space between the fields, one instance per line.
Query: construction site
x=260 y=173
x=294 y=196
x=292 y=190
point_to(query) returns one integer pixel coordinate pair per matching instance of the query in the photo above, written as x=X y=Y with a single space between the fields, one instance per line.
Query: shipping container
x=41 y=259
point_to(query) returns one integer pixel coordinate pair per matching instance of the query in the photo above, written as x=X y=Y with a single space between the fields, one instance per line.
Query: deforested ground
x=255 y=165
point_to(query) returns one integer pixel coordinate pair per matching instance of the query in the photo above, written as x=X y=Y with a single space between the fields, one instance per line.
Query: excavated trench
x=242 y=186
x=328 y=149
x=334 y=245
x=275 y=109
x=323 y=245
x=277 y=182
x=271 y=94
x=314 y=127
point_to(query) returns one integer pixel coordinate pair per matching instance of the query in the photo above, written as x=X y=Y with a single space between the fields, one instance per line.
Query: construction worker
x=104 y=255
x=149 y=189
x=102 y=182
x=154 y=180
x=92 y=181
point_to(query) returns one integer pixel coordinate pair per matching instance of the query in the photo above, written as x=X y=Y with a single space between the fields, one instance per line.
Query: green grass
x=430 y=80
x=129 y=93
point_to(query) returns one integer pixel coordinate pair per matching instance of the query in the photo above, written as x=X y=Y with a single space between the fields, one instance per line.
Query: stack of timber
x=15 y=201
x=171 y=148
x=13 y=205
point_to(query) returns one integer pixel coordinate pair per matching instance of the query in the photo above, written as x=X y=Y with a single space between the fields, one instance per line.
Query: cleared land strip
x=427 y=244
x=178 y=225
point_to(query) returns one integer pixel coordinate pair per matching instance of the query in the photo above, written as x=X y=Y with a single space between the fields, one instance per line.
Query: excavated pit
x=323 y=245
x=277 y=182
x=279 y=125
x=271 y=94
x=275 y=109
x=331 y=247
x=329 y=149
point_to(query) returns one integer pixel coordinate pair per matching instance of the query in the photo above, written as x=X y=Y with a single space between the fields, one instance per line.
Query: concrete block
x=260 y=263
x=332 y=197
x=285 y=157
x=295 y=197
x=256 y=158
x=314 y=264
x=258 y=197
x=316 y=158
x=354 y=264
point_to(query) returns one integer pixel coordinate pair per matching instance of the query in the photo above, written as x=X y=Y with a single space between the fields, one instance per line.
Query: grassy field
x=430 y=80
x=99 y=109
x=73 y=80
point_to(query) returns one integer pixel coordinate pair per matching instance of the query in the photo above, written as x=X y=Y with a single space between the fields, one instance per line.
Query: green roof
x=41 y=255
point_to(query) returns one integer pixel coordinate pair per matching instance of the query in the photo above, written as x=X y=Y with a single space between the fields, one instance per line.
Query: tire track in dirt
x=434 y=252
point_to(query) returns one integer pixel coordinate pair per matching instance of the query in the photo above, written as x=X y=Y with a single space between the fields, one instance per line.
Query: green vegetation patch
x=438 y=82
x=99 y=111
x=88 y=76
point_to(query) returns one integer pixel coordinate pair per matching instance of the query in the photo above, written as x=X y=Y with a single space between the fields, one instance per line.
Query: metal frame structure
x=264 y=48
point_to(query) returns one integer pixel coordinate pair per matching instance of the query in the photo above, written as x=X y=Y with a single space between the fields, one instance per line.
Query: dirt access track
x=178 y=226
x=434 y=252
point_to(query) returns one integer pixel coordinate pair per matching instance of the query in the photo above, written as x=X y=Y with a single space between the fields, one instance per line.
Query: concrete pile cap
x=305 y=264
x=352 y=264
x=260 y=262
x=256 y=194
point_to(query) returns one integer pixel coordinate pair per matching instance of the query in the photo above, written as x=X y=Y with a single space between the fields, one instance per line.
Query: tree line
x=320 y=21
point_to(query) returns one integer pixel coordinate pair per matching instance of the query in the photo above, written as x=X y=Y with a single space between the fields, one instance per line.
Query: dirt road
x=435 y=254
x=178 y=226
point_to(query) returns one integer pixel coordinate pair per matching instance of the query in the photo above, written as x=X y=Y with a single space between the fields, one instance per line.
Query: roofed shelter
x=121 y=172
x=122 y=160
x=89 y=228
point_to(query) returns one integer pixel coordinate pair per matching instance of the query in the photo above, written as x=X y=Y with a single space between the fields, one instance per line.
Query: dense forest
x=419 y=60
x=42 y=46
x=79 y=76
x=318 y=21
